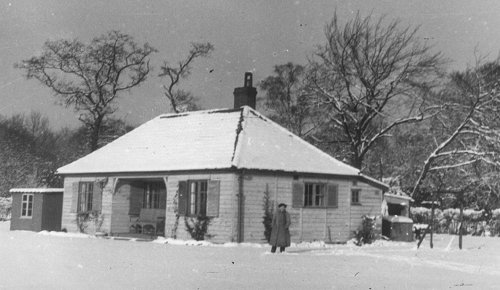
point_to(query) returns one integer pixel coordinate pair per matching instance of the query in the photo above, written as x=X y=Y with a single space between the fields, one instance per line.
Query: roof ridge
x=237 y=142
x=208 y=111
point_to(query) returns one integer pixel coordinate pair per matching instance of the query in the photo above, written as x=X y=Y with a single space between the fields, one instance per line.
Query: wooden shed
x=396 y=223
x=36 y=209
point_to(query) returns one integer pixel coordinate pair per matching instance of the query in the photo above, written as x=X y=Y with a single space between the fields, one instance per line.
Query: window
x=355 y=196
x=85 y=196
x=151 y=197
x=314 y=194
x=197 y=198
x=27 y=205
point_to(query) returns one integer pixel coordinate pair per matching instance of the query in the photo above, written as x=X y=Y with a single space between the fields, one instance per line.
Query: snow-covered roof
x=396 y=198
x=213 y=139
x=36 y=190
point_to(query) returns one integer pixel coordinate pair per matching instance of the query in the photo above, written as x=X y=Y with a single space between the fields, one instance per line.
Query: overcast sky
x=247 y=35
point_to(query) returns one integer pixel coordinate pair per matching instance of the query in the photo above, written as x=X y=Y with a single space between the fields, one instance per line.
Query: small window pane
x=193 y=203
x=355 y=193
x=314 y=195
x=198 y=197
x=27 y=205
x=85 y=194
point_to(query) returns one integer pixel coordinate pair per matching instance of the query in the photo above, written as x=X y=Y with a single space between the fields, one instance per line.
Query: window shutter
x=97 y=197
x=213 y=196
x=297 y=195
x=74 y=196
x=332 y=199
x=182 y=202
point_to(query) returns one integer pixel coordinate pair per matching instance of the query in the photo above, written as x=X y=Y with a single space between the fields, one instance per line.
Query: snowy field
x=44 y=260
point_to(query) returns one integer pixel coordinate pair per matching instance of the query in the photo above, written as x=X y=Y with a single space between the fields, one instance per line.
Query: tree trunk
x=94 y=134
x=357 y=161
x=432 y=223
x=461 y=222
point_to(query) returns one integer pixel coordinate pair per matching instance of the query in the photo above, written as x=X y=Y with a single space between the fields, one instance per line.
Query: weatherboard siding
x=223 y=227
x=370 y=201
x=68 y=221
x=120 y=219
x=308 y=224
x=106 y=207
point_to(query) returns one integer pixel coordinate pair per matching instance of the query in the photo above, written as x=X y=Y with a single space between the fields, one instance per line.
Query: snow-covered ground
x=44 y=260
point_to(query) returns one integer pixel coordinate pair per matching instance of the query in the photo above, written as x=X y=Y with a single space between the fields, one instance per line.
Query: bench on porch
x=151 y=221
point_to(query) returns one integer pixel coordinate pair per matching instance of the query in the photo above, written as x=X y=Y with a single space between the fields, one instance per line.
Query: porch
x=138 y=208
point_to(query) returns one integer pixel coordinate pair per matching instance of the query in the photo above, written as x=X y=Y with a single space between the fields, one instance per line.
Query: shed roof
x=397 y=198
x=213 y=139
x=36 y=190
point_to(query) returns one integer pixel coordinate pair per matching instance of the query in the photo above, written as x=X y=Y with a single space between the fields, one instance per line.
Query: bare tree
x=37 y=124
x=369 y=77
x=20 y=157
x=90 y=77
x=467 y=133
x=286 y=98
x=465 y=158
x=181 y=100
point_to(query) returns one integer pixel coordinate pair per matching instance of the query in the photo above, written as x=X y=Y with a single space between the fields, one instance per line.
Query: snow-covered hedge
x=476 y=222
x=494 y=223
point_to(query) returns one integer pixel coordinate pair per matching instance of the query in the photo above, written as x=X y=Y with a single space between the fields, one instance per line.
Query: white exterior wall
x=370 y=199
x=221 y=228
x=115 y=206
x=308 y=224
x=69 y=218
x=120 y=206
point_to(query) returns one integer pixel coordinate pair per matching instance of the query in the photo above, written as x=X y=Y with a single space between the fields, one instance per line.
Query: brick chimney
x=246 y=95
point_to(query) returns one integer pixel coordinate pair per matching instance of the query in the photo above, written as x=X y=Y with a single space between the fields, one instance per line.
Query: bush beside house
x=5 y=208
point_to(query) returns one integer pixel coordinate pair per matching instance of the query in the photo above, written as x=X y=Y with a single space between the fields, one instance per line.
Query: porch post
x=115 y=182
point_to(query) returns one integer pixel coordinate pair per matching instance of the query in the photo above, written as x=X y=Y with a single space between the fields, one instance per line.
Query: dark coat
x=280 y=235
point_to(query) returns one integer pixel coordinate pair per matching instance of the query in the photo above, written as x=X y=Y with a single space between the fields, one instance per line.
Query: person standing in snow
x=280 y=235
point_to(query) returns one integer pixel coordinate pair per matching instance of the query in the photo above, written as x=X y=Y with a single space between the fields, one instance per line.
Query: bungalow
x=216 y=174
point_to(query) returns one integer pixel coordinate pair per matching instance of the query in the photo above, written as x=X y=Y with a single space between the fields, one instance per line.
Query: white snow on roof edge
x=36 y=190
x=390 y=195
x=378 y=182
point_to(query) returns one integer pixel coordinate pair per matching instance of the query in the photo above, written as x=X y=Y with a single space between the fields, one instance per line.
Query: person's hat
x=282 y=204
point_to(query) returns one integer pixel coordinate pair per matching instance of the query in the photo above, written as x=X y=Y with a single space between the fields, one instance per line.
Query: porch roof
x=212 y=139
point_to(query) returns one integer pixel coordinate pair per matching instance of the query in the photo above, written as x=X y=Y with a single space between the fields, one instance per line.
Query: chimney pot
x=248 y=79
x=246 y=95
